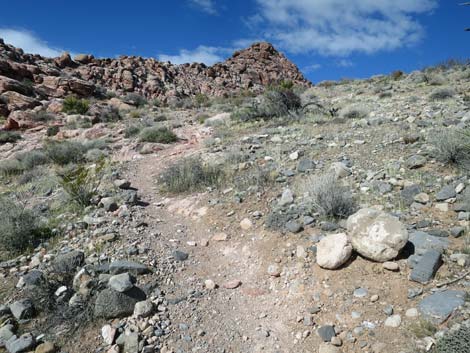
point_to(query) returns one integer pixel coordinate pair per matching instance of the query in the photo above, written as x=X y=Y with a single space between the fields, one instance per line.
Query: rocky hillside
x=325 y=219
x=27 y=79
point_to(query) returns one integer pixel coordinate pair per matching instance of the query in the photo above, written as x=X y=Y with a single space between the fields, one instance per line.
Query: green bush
x=32 y=159
x=190 y=174
x=452 y=146
x=158 y=135
x=10 y=167
x=135 y=99
x=21 y=229
x=73 y=105
x=65 y=152
x=132 y=130
x=201 y=100
x=81 y=183
x=9 y=137
x=328 y=197
x=52 y=130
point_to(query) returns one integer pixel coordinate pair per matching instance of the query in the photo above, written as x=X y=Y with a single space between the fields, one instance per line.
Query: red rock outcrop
x=25 y=79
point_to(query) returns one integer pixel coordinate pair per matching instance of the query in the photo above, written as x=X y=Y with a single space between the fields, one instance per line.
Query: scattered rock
x=22 y=309
x=333 y=251
x=326 y=332
x=122 y=266
x=121 y=282
x=426 y=267
x=438 y=306
x=111 y=304
x=393 y=321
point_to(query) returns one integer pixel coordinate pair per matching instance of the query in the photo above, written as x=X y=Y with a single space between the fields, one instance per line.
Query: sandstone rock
x=333 y=251
x=376 y=235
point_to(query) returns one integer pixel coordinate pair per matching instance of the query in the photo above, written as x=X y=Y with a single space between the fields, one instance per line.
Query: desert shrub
x=422 y=328
x=32 y=159
x=160 y=118
x=435 y=80
x=95 y=155
x=21 y=228
x=190 y=174
x=201 y=100
x=158 y=135
x=354 y=112
x=42 y=116
x=386 y=94
x=135 y=99
x=396 y=75
x=52 y=130
x=328 y=197
x=132 y=130
x=10 y=167
x=279 y=102
x=81 y=183
x=106 y=114
x=73 y=105
x=442 y=93
x=65 y=152
x=246 y=114
x=452 y=146
x=455 y=340
x=9 y=137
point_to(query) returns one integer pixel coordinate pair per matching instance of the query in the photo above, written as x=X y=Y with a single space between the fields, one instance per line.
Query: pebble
x=232 y=284
x=246 y=224
x=391 y=266
x=209 y=284
x=274 y=270
x=360 y=292
x=412 y=312
x=393 y=321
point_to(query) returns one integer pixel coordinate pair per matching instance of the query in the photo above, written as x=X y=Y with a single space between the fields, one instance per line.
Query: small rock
x=109 y=204
x=220 y=237
x=326 y=332
x=109 y=334
x=412 y=312
x=390 y=266
x=447 y=192
x=21 y=344
x=274 y=270
x=143 y=309
x=327 y=348
x=22 y=309
x=393 y=321
x=360 y=292
x=134 y=268
x=374 y=298
x=438 y=306
x=246 y=224
x=180 y=255
x=293 y=227
x=457 y=232
x=122 y=282
x=46 y=347
x=415 y=162
x=333 y=251
x=232 y=284
x=122 y=184
x=209 y=284
x=426 y=267
x=422 y=198
x=287 y=198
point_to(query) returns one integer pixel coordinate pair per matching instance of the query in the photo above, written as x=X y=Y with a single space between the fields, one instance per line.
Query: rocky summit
x=150 y=207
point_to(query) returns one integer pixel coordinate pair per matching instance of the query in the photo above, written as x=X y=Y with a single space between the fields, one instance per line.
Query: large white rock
x=333 y=251
x=376 y=235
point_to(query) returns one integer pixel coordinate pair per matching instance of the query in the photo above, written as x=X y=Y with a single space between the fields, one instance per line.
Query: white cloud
x=342 y=27
x=311 y=68
x=202 y=54
x=29 y=42
x=344 y=63
x=207 y=6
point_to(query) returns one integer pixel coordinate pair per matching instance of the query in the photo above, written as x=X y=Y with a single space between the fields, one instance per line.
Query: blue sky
x=327 y=39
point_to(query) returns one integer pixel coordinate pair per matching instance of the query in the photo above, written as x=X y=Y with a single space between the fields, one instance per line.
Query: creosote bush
x=354 y=112
x=190 y=174
x=9 y=137
x=452 y=146
x=328 y=197
x=158 y=135
x=65 y=152
x=10 y=167
x=135 y=99
x=73 y=105
x=21 y=228
x=442 y=93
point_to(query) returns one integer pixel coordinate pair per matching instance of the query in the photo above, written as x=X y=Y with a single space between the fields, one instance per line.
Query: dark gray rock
x=294 y=226
x=121 y=282
x=122 y=266
x=439 y=306
x=441 y=233
x=426 y=267
x=308 y=220
x=457 y=231
x=34 y=278
x=305 y=165
x=111 y=304
x=326 y=332
x=69 y=262
x=381 y=187
x=415 y=162
x=109 y=204
x=422 y=242
x=24 y=343
x=6 y=332
x=180 y=255
x=414 y=292
x=129 y=341
x=22 y=309
x=408 y=193
x=130 y=197
x=4 y=310
x=447 y=192
x=329 y=226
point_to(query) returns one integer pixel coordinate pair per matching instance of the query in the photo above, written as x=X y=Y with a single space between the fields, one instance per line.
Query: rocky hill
x=27 y=79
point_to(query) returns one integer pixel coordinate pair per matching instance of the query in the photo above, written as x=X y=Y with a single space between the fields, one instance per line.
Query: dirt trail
x=265 y=313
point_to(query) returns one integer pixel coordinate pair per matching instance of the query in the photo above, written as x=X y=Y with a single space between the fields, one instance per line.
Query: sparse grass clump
x=354 y=112
x=190 y=174
x=9 y=137
x=442 y=94
x=10 y=167
x=65 y=152
x=20 y=227
x=42 y=116
x=135 y=99
x=158 y=135
x=452 y=146
x=328 y=197
x=132 y=130
x=73 y=105
x=422 y=328
x=32 y=159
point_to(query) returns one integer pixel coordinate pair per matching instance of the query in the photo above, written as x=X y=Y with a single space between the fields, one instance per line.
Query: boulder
x=333 y=251
x=376 y=235
x=111 y=304
x=69 y=262
x=21 y=344
x=22 y=309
